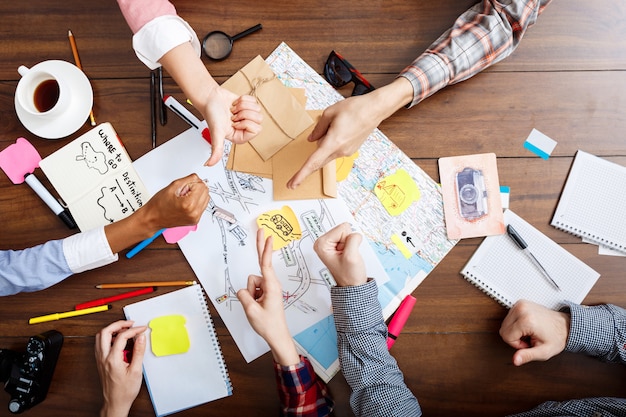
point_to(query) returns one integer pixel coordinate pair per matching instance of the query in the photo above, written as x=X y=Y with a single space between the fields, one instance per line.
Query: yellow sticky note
x=282 y=225
x=400 y=244
x=397 y=191
x=169 y=335
x=344 y=166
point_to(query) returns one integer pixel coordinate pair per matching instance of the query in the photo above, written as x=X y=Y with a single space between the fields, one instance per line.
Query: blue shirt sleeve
x=32 y=269
x=377 y=384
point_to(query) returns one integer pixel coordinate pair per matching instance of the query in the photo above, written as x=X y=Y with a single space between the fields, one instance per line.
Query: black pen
x=153 y=107
x=524 y=246
x=162 y=108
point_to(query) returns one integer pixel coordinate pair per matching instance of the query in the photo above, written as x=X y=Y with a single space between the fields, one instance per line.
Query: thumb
x=139 y=348
x=217 y=145
x=526 y=355
x=246 y=299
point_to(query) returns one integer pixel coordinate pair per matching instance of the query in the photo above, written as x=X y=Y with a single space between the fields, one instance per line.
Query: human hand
x=262 y=302
x=537 y=332
x=345 y=125
x=120 y=380
x=237 y=119
x=340 y=132
x=179 y=204
x=339 y=250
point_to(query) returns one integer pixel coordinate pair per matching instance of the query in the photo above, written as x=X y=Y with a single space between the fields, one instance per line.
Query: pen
x=73 y=313
x=162 y=108
x=153 y=107
x=187 y=116
x=70 y=35
x=524 y=246
x=147 y=284
x=134 y=251
x=50 y=201
x=107 y=300
x=399 y=319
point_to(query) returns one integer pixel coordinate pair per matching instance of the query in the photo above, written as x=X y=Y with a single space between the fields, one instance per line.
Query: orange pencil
x=146 y=284
x=70 y=35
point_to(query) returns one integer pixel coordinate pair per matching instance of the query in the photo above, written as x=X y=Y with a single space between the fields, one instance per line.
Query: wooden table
x=567 y=79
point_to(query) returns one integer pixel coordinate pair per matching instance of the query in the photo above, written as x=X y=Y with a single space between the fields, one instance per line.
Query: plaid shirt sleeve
x=598 y=331
x=301 y=392
x=483 y=35
x=377 y=384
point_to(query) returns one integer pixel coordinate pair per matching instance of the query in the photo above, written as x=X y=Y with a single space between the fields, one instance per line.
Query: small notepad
x=180 y=378
x=505 y=272
x=96 y=179
x=593 y=201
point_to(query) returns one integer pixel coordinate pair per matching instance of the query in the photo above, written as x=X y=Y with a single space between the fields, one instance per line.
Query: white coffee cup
x=43 y=92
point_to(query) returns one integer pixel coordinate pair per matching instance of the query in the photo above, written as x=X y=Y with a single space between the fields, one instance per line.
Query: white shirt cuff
x=88 y=250
x=159 y=36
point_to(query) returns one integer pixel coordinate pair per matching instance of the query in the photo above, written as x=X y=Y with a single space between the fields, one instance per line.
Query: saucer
x=76 y=114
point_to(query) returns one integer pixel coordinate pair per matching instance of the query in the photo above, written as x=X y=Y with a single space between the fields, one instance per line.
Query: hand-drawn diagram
x=93 y=159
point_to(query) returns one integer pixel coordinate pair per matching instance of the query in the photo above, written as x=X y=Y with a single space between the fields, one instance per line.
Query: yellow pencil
x=146 y=284
x=73 y=313
x=70 y=35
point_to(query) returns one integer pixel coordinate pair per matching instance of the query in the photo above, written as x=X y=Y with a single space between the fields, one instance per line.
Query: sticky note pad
x=282 y=224
x=344 y=165
x=400 y=244
x=397 y=191
x=169 y=335
x=540 y=144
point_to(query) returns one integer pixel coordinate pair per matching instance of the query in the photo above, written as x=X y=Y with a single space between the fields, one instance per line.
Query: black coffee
x=46 y=95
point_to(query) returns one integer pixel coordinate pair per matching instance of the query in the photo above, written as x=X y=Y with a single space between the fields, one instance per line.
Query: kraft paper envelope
x=244 y=158
x=320 y=184
x=284 y=118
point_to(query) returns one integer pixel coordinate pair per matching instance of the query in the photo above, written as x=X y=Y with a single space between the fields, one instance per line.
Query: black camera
x=472 y=197
x=27 y=375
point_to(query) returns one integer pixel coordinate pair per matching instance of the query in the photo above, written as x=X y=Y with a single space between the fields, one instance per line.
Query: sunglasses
x=339 y=72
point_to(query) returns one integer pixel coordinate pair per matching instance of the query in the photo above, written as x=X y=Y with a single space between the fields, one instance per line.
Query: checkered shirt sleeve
x=598 y=331
x=483 y=35
x=377 y=384
x=301 y=392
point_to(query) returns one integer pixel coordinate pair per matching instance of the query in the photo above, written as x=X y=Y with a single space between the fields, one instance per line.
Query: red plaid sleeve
x=301 y=392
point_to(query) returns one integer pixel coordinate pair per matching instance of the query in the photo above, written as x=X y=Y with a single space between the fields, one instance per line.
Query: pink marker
x=399 y=319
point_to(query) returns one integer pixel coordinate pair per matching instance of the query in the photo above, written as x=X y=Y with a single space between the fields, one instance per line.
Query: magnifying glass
x=217 y=45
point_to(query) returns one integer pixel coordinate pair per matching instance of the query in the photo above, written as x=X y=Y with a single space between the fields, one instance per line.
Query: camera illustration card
x=471 y=195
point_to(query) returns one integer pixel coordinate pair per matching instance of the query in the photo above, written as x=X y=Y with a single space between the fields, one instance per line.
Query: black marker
x=47 y=198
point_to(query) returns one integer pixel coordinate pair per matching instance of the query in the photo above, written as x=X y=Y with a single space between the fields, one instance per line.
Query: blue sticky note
x=540 y=144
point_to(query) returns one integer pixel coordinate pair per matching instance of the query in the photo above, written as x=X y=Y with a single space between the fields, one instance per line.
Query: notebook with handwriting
x=507 y=274
x=183 y=364
x=593 y=200
x=95 y=177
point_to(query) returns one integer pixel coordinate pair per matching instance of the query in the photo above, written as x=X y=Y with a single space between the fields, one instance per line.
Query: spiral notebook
x=187 y=370
x=507 y=274
x=593 y=200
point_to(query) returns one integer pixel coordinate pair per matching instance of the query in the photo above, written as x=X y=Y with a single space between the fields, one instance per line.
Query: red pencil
x=107 y=300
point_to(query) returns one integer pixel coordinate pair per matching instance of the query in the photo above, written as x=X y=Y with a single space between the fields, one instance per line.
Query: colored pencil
x=117 y=297
x=146 y=284
x=73 y=313
x=70 y=35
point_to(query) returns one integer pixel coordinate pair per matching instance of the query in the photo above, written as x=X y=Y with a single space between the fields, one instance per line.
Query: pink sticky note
x=174 y=234
x=19 y=159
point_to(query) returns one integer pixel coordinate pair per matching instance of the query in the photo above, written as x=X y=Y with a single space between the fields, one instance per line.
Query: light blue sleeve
x=377 y=384
x=32 y=269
